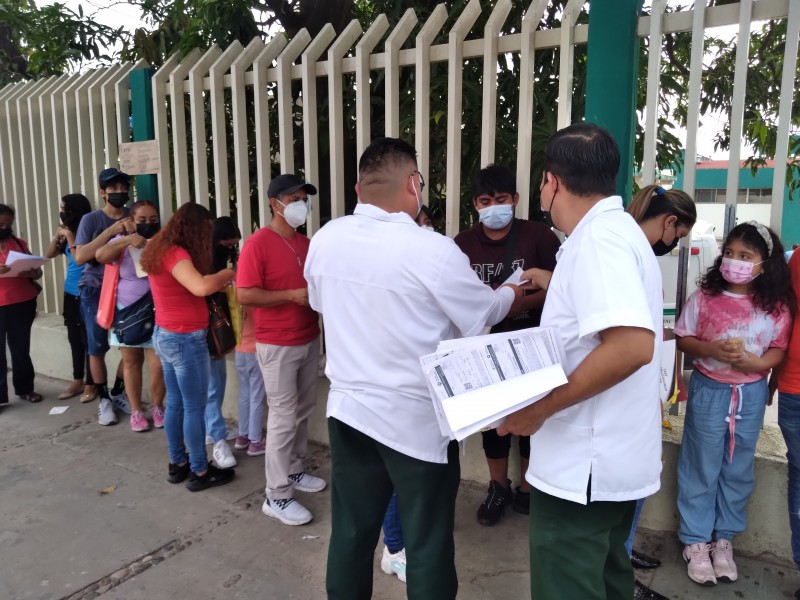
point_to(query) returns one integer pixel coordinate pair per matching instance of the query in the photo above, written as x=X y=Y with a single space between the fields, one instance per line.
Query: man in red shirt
x=270 y=279
x=788 y=379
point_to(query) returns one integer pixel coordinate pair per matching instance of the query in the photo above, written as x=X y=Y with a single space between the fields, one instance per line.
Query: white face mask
x=496 y=216
x=295 y=213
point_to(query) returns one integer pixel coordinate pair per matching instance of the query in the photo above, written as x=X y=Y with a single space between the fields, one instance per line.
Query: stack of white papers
x=19 y=262
x=475 y=382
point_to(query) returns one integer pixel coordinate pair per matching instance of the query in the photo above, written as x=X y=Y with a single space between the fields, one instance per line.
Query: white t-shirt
x=388 y=292
x=606 y=276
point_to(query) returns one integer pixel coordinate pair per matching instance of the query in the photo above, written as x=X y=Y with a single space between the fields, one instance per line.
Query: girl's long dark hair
x=190 y=228
x=76 y=206
x=772 y=289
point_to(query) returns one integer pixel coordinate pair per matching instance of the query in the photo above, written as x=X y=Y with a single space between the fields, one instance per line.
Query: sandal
x=32 y=397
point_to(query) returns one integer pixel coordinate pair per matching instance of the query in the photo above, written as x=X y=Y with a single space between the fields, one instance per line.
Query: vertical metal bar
x=364 y=48
x=491 y=41
x=567 y=62
x=285 y=100
x=160 y=82
x=198 y=114
x=653 y=86
x=392 y=47
x=695 y=89
x=180 y=146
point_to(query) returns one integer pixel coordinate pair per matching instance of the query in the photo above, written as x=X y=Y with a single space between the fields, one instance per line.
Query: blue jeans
x=789 y=422
x=251 y=396
x=184 y=358
x=96 y=336
x=634 y=525
x=392 y=531
x=713 y=489
x=217 y=378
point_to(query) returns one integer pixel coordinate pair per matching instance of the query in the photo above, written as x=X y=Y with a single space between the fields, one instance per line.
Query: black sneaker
x=522 y=502
x=177 y=474
x=493 y=507
x=214 y=476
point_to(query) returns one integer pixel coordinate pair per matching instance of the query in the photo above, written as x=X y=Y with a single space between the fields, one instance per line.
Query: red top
x=15 y=289
x=177 y=309
x=789 y=378
x=271 y=262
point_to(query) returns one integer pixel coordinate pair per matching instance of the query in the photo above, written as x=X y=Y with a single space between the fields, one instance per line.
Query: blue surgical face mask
x=496 y=216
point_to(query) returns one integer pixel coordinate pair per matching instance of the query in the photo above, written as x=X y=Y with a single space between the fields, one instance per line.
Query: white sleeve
x=607 y=284
x=686 y=326
x=469 y=303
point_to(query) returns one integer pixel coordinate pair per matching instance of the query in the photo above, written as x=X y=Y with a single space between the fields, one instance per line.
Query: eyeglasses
x=421 y=180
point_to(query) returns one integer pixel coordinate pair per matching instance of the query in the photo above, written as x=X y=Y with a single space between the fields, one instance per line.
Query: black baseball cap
x=108 y=175
x=288 y=184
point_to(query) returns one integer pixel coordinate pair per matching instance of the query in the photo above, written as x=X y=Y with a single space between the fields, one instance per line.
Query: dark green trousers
x=578 y=551
x=364 y=473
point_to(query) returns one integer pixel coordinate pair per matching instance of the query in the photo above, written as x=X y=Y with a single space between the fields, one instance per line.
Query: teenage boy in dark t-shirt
x=496 y=246
x=94 y=231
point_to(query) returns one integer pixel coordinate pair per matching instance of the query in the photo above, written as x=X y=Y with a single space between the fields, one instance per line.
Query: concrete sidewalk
x=86 y=513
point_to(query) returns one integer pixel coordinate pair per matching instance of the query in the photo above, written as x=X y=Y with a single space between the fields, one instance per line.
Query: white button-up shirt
x=606 y=276
x=388 y=292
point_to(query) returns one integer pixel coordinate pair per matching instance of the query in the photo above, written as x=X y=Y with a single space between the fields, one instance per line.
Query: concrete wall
x=768 y=531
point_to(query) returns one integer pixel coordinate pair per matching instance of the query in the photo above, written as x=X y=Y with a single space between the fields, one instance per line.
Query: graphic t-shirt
x=789 y=379
x=724 y=316
x=535 y=247
x=177 y=309
x=271 y=262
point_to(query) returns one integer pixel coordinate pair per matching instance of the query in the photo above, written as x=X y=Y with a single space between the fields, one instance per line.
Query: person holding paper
x=134 y=291
x=94 y=231
x=596 y=442
x=17 y=311
x=389 y=291
x=496 y=246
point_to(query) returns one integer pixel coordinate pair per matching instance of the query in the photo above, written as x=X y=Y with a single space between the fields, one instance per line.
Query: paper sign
x=140 y=158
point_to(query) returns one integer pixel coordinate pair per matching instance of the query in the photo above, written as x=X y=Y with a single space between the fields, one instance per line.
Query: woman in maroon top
x=17 y=311
x=178 y=262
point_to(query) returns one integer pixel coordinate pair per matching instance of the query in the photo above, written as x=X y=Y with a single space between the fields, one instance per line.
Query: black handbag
x=133 y=325
x=221 y=337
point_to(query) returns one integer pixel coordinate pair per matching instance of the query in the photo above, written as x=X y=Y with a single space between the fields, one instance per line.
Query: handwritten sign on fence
x=139 y=158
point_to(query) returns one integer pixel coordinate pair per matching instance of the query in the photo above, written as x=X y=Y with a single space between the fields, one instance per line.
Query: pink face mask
x=738 y=272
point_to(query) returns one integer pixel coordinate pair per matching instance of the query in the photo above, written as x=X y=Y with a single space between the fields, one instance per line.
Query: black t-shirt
x=535 y=247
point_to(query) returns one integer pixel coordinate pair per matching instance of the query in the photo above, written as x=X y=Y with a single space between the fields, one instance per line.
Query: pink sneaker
x=257 y=448
x=139 y=422
x=241 y=443
x=158 y=416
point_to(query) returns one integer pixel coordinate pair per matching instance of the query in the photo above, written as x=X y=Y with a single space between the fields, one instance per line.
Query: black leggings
x=76 y=334
x=16 y=321
x=499 y=446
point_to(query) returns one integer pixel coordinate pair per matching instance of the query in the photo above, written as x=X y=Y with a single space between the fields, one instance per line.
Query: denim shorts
x=96 y=336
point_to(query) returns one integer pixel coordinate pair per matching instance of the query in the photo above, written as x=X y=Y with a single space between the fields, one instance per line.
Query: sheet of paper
x=666 y=374
x=58 y=410
x=18 y=262
x=136 y=255
x=515 y=278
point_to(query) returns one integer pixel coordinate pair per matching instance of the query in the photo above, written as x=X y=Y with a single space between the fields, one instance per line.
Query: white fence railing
x=56 y=134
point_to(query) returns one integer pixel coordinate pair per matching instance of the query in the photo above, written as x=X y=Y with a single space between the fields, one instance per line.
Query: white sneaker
x=288 y=511
x=121 y=402
x=105 y=412
x=303 y=482
x=209 y=440
x=722 y=557
x=699 y=564
x=223 y=455
x=394 y=564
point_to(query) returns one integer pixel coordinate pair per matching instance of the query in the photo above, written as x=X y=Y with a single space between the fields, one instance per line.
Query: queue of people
x=590 y=450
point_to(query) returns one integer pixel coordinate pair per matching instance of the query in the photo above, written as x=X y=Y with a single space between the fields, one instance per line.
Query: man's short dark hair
x=586 y=159
x=384 y=152
x=493 y=180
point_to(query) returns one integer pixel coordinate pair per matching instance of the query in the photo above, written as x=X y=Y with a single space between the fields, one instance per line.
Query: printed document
x=19 y=262
x=475 y=382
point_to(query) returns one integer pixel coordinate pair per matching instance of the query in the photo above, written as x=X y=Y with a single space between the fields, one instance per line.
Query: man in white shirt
x=596 y=445
x=389 y=291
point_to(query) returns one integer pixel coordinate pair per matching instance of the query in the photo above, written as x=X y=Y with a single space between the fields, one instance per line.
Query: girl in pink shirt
x=736 y=325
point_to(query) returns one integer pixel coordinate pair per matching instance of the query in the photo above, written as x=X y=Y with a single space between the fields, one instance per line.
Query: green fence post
x=143 y=127
x=611 y=77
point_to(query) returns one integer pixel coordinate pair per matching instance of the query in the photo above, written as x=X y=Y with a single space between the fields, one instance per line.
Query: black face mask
x=118 y=199
x=148 y=230
x=660 y=248
x=548 y=217
x=5 y=233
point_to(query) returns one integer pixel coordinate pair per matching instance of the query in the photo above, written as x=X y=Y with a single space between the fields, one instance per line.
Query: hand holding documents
x=475 y=382
x=18 y=262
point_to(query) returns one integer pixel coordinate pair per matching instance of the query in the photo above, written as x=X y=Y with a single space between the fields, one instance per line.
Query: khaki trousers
x=290 y=379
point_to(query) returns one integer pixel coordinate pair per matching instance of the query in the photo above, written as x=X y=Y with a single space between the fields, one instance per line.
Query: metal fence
x=56 y=134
